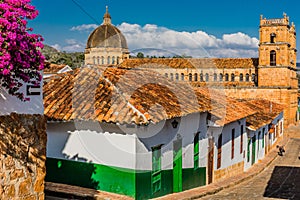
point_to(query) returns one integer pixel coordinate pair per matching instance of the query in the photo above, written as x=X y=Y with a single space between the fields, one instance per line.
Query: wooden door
x=210 y=165
x=253 y=149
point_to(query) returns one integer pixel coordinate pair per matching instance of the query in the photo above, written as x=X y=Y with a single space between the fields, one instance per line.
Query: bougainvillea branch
x=20 y=58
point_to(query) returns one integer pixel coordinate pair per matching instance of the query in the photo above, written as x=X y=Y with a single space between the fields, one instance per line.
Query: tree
x=140 y=55
x=20 y=58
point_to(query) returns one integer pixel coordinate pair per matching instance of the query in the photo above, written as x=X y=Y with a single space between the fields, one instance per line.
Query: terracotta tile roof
x=192 y=63
x=266 y=111
x=53 y=68
x=119 y=96
x=225 y=108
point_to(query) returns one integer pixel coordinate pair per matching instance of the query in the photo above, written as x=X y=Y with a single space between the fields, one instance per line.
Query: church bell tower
x=277 y=53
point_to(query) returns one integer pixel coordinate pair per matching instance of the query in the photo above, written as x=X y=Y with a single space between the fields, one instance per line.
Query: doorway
x=210 y=164
x=177 y=166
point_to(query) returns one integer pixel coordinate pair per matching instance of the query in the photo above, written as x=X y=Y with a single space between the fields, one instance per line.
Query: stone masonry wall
x=22 y=156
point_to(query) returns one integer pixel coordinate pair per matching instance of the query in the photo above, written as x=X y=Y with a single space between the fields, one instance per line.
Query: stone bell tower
x=277 y=53
x=277 y=64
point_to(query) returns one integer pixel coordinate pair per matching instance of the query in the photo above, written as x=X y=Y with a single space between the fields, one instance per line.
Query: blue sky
x=223 y=28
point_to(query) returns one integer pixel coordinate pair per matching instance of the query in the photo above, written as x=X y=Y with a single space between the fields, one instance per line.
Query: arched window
x=273 y=58
x=108 y=60
x=171 y=76
x=98 y=60
x=241 y=77
x=177 y=76
x=232 y=77
x=195 y=77
x=190 y=77
x=215 y=77
x=166 y=75
x=226 y=77
x=201 y=77
x=206 y=77
x=221 y=77
x=113 y=60
x=247 y=77
x=102 y=60
x=94 y=60
x=272 y=37
x=253 y=77
x=118 y=60
x=182 y=76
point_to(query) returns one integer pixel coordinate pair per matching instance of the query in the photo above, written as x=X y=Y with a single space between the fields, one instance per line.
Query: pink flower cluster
x=20 y=58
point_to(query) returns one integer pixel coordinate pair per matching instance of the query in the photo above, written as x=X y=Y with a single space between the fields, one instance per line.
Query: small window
x=253 y=77
x=94 y=60
x=177 y=76
x=113 y=60
x=98 y=60
x=166 y=75
x=273 y=58
x=232 y=77
x=221 y=77
x=206 y=77
x=195 y=77
x=182 y=76
x=118 y=60
x=247 y=77
x=108 y=60
x=226 y=77
x=215 y=77
x=272 y=37
x=190 y=77
x=201 y=77
x=171 y=76
x=241 y=77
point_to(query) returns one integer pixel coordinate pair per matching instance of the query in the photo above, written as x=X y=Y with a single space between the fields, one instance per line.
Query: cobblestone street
x=281 y=180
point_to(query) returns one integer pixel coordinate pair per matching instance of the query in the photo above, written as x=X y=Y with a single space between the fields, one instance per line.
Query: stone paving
x=281 y=180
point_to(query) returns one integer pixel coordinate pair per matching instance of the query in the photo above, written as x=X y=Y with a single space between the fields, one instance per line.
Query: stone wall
x=22 y=156
x=229 y=171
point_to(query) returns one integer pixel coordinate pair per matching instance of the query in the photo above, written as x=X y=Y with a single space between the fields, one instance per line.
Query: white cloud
x=196 y=44
x=56 y=46
x=71 y=41
x=84 y=27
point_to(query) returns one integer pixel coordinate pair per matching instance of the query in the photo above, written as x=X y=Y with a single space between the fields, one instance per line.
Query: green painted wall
x=132 y=183
x=100 y=177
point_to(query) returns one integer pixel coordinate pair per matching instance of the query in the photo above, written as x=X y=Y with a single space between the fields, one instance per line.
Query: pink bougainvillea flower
x=20 y=56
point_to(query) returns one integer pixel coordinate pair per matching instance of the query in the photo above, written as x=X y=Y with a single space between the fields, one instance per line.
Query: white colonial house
x=130 y=132
x=264 y=129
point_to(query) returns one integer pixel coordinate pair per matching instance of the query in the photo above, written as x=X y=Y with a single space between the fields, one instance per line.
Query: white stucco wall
x=187 y=128
x=226 y=131
x=89 y=142
x=269 y=140
x=9 y=103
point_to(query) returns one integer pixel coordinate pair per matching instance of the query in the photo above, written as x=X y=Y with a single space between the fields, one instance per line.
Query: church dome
x=107 y=35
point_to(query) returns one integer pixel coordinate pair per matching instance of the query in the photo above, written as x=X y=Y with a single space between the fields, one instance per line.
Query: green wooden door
x=177 y=166
x=253 y=149
x=196 y=151
x=156 y=170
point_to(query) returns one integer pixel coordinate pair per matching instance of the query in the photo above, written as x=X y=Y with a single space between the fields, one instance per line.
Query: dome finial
x=106 y=17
